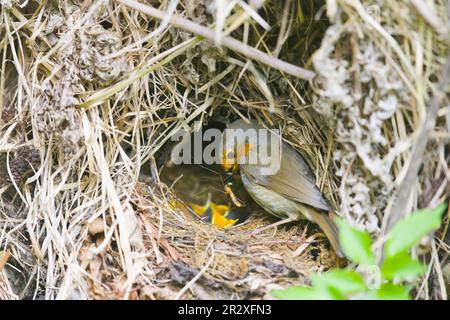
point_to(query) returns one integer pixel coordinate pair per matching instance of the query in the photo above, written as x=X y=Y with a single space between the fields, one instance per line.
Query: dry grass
x=92 y=90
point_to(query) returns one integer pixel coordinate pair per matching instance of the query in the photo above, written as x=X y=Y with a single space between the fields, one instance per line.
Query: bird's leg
x=275 y=224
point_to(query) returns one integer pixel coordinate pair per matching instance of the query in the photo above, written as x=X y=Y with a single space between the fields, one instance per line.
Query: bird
x=221 y=216
x=290 y=192
x=199 y=190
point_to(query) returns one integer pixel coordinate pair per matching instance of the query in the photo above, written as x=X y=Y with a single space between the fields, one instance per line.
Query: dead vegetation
x=91 y=91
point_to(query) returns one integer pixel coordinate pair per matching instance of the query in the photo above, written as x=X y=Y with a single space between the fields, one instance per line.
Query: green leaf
x=401 y=267
x=306 y=293
x=355 y=243
x=391 y=291
x=407 y=232
x=343 y=281
x=332 y=285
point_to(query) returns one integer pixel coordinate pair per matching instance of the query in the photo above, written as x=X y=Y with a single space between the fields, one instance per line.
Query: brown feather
x=294 y=179
x=291 y=191
x=326 y=222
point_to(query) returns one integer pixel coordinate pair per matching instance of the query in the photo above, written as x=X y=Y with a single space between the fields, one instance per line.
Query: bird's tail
x=326 y=222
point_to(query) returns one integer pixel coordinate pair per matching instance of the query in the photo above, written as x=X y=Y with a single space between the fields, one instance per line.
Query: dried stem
x=405 y=189
x=228 y=42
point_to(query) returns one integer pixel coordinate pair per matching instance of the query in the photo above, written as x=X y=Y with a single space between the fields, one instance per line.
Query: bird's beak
x=219 y=218
x=229 y=178
x=218 y=213
x=229 y=165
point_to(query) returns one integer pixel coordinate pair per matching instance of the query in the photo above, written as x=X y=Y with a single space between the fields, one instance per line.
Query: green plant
x=392 y=279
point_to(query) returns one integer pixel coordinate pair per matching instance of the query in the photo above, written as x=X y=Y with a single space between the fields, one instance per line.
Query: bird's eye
x=230 y=155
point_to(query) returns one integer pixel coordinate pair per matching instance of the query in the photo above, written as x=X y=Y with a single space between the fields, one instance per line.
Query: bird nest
x=92 y=93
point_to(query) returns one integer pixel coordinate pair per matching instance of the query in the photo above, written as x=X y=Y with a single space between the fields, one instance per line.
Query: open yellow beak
x=218 y=214
x=199 y=210
x=219 y=218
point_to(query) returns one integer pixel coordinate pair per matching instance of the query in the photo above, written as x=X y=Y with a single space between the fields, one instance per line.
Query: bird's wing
x=294 y=180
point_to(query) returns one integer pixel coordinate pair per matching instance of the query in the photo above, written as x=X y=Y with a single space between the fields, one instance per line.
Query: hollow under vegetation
x=93 y=91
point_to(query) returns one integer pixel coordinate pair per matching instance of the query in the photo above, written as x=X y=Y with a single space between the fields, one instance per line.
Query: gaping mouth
x=216 y=212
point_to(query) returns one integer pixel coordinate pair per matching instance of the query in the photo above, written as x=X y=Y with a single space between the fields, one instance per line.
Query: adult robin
x=288 y=191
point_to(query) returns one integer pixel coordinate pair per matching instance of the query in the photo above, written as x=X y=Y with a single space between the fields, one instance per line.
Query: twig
x=228 y=42
x=199 y=274
x=406 y=186
x=438 y=270
x=168 y=55
x=430 y=16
